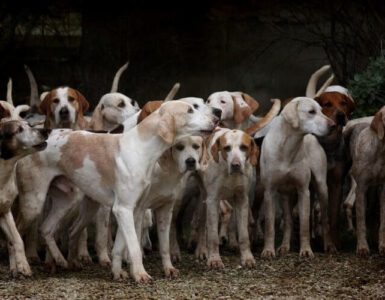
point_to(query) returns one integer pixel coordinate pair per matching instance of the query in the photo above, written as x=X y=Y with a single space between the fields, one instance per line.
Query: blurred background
x=265 y=48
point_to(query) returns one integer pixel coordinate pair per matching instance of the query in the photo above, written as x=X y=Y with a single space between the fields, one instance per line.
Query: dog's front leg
x=269 y=204
x=288 y=222
x=102 y=233
x=18 y=260
x=163 y=217
x=362 y=243
x=304 y=217
x=242 y=218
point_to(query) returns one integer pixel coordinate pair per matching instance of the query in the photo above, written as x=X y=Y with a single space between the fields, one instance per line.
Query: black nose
x=341 y=118
x=64 y=112
x=235 y=167
x=217 y=112
x=44 y=132
x=190 y=163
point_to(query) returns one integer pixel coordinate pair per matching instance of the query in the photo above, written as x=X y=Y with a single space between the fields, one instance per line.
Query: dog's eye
x=56 y=100
x=179 y=147
x=121 y=104
x=243 y=148
x=208 y=101
x=327 y=104
x=344 y=103
x=190 y=110
x=223 y=101
x=195 y=146
x=227 y=148
x=71 y=99
x=196 y=106
x=312 y=112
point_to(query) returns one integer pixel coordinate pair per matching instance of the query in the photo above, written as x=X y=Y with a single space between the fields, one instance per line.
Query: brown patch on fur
x=240 y=113
x=218 y=147
x=80 y=146
x=252 y=149
x=148 y=109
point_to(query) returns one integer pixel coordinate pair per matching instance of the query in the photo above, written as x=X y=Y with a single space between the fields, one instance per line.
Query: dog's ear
x=351 y=103
x=253 y=153
x=148 y=109
x=204 y=159
x=166 y=128
x=254 y=104
x=45 y=104
x=215 y=150
x=378 y=125
x=165 y=160
x=241 y=110
x=97 y=118
x=290 y=114
x=82 y=101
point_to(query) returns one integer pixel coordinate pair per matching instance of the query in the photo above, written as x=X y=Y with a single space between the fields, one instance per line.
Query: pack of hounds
x=63 y=171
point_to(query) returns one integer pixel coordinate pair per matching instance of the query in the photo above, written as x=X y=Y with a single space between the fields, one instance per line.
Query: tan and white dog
x=110 y=170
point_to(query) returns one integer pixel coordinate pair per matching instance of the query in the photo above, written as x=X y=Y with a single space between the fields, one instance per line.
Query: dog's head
x=305 y=114
x=236 y=106
x=337 y=104
x=236 y=148
x=378 y=123
x=18 y=139
x=63 y=106
x=113 y=109
x=179 y=119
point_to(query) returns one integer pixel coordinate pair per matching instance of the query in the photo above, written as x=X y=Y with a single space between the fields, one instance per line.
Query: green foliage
x=368 y=88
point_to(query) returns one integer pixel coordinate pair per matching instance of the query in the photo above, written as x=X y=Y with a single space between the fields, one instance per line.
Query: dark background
x=265 y=48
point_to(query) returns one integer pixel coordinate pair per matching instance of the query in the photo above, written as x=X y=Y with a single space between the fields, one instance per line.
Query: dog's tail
x=311 y=88
x=273 y=112
x=9 y=91
x=172 y=93
x=325 y=85
x=115 y=82
x=19 y=109
x=34 y=99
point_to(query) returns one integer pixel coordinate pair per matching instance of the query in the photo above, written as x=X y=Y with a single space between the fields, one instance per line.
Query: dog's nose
x=190 y=163
x=235 y=167
x=217 y=112
x=64 y=112
x=341 y=119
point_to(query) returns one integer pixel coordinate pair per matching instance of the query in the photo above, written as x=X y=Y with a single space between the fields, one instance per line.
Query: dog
x=110 y=170
x=366 y=147
x=228 y=176
x=290 y=156
x=17 y=140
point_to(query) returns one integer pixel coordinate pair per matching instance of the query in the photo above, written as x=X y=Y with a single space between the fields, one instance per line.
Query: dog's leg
x=349 y=203
x=269 y=203
x=362 y=243
x=84 y=255
x=88 y=209
x=381 y=233
x=31 y=243
x=118 y=252
x=212 y=220
x=304 y=217
x=242 y=219
x=102 y=232
x=15 y=246
x=201 y=251
x=174 y=245
x=334 y=187
x=232 y=231
x=163 y=217
x=285 y=246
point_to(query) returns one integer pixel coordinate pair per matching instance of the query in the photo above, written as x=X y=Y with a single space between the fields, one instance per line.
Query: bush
x=368 y=88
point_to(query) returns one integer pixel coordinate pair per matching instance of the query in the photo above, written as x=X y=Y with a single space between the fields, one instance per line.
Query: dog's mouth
x=40 y=147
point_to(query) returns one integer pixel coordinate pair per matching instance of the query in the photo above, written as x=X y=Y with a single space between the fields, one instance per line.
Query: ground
x=338 y=276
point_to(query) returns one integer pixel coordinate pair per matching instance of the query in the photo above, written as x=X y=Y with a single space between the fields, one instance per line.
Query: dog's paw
x=248 y=262
x=363 y=251
x=34 y=260
x=283 y=249
x=176 y=257
x=268 y=253
x=120 y=276
x=142 y=277
x=171 y=272
x=85 y=259
x=24 y=269
x=105 y=262
x=201 y=253
x=215 y=263
x=75 y=264
x=330 y=248
x=61 y=262
x=306 y=253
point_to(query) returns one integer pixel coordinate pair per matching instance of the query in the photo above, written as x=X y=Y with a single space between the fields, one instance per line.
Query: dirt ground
x=338 y=276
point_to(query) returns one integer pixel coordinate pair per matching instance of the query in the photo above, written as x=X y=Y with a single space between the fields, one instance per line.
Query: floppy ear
x=166 y=128
x=241 y=110
x=254 y=153
x=97 y=118
x=290 y=114
x=148 y=109
x=165 y=160
x=204 y=159
x=351 y=104
x=215 y=150
x=254 y=104
x=82 y=101
x=377 y=125
x=45 y=103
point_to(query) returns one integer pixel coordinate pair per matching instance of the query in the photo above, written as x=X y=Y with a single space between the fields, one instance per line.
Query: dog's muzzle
x=190 y=164
x=235 y=167
x=341 y=118
x=64 y=113
x=217 y=112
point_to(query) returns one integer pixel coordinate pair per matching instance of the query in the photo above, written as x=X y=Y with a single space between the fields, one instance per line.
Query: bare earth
x=338 y=276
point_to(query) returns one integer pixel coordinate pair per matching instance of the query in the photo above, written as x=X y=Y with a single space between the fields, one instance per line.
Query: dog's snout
x=190 y=163
x=64 y=112
x=332 y=125
x=341 y=118
x=235 y=167
x=217 y=112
